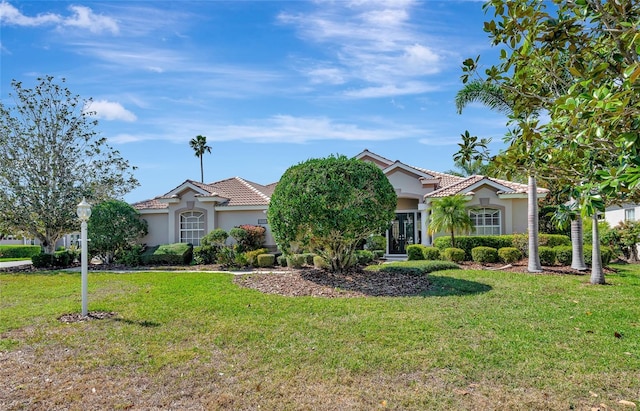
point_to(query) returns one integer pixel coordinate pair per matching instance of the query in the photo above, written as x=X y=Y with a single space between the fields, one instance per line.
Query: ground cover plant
x=474 y=339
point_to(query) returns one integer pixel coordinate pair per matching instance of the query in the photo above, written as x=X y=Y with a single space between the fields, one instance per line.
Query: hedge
x=484 y=254
x=468 y=243
x=509 y=255
x=266 y=260
x=453 y=254
x=547 y=255
x=564 y=254
x=414 y=252
x=19 y=251
x=431 y=253
x=171 y=254
x=413 y=267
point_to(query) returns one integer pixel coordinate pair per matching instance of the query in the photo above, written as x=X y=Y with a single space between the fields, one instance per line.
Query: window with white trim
x=630 y=214
x=486 y=221
x=191 y=227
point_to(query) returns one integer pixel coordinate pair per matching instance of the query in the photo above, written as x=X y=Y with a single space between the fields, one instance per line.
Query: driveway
x=8 y=264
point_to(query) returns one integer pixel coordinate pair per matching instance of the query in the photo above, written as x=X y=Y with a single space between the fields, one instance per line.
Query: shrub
x=376 y=242
x=547 y=255
x=363 y=257
x=509 y=255
x=131 y=257
x=484 y=254
x=564 y=254
x=215 y=237
x=414 y=252
x=606 y=254
x=431 y=253
x=468 y=243
x=521 y=242
x=320 y=263
x=453 y=254
x=265 y=260
x=296 y=260
x=43 y=260
x=19 y=251
x=206 y=254
x=553 y=240
x=240 y=260
x=282 y=260
x=253 y=255
x=378 y=254
x=254 y=237
x=308 y=258
x=413 y=267
x=63 y=258
x=171 y=254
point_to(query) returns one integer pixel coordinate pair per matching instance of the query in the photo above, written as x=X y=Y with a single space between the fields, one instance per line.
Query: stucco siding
x=226 y=220
x=405 y=184
x=158 y=229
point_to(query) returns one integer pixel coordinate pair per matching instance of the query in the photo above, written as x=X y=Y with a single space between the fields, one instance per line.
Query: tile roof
x=237 y=192
x=464 y=183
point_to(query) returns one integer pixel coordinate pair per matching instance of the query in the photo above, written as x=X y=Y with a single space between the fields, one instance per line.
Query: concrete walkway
x=9 y=264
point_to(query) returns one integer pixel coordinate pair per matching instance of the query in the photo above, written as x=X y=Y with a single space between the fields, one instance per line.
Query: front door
x=401 y=233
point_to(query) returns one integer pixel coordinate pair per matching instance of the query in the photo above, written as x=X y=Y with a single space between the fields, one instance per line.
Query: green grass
x=5 y=260
x=477 y=340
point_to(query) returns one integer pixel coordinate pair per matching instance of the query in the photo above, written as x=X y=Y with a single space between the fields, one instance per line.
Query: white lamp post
x=84 y=212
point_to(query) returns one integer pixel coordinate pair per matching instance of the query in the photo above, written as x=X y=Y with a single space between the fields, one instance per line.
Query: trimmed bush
x=215 y=237
x=413 y=267
x=414 y=252
x=376 y=242
x=453 y=254
x=131 y=257
x=363 y=257
x=431 y=253
x=554 y=240
x=168 y=254
x=547 y=255
x=509 y=255
x=296 y=260
x=308 y=258
x=606 y=254
x=564 y=254
x=63 y=258
x=468 y=243
x=378 y=254
x=43 y=260
x=484 y=254
x=253 y=255
x=19 y=251
x=320 y=263
x=266 y=260
x=282 y=260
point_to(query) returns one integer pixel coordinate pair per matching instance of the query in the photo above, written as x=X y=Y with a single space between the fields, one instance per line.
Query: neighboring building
x=192 y=209
x=614 y=215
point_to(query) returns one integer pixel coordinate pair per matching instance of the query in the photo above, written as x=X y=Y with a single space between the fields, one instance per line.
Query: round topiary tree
x=329 y=205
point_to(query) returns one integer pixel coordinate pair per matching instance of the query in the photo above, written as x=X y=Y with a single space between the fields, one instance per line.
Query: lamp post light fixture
x=84 y=212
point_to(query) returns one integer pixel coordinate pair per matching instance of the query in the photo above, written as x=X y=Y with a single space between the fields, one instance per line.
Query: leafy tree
x=50 y=157
x=114 y=226
x=199 y=146
x=330 y=205
x=628 y=233
x=579 y=62
x=450 y=214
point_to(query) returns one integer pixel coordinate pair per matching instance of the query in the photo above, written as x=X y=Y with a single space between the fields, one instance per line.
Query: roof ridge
x=252 y=188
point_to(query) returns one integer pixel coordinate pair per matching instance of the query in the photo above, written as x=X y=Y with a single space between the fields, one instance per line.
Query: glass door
x=401 y=233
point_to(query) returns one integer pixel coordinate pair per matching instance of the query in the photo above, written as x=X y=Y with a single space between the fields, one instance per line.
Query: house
x=616 y=214
x=192 y=209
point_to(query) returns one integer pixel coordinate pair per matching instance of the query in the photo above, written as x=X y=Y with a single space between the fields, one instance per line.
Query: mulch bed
x=91 y=315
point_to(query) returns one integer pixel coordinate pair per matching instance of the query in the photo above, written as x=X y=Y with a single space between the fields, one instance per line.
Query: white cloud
x=110 y=110
x=82 y=17
x=374 y=47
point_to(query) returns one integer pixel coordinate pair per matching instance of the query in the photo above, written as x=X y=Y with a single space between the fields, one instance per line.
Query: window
x=191 y=227
x=630 y=214
x=486 y=221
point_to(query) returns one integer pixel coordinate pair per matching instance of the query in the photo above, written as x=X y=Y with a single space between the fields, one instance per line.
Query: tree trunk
x=577 y=255
x=201 y=170
x=453 y=240
x=532 y=226
x=597 y=273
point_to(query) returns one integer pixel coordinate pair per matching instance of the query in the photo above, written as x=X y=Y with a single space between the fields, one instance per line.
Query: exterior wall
x=227 y=219
x=614 y=215
x=407 y=204
x=158 y=229
x=520 y=215
x=406 y=183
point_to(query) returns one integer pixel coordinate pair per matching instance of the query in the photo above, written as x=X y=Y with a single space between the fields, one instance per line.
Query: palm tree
x=494 y=97
x=564 y=215
x=450 y=214
x=199 y=146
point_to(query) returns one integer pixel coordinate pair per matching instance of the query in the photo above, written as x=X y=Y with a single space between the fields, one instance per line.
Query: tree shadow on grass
x=142 y=323
x=447 y=286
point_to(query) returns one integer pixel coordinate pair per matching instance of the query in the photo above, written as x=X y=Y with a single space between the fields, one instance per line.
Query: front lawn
x=476 y=340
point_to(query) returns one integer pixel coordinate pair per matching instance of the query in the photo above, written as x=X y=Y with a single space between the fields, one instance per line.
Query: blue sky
x=269 y=83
